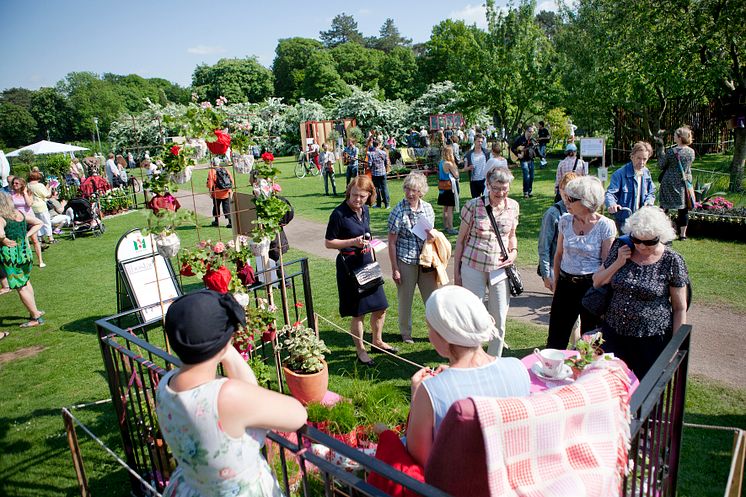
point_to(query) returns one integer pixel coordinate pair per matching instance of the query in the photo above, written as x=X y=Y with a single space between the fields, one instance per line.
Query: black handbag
x=367 y=277
x=514 y=277
x=597 y=300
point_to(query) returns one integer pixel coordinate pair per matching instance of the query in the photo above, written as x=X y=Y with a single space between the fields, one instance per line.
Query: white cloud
x=364 y=12
x=205 y=50
x=472 y=14
x=549 y=6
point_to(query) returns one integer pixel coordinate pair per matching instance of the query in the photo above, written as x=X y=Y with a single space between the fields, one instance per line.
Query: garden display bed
x=716 y=225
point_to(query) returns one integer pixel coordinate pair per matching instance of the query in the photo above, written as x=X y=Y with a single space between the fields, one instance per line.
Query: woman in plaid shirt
x=479 y=262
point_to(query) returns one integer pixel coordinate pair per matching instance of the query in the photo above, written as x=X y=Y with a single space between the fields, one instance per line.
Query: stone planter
x=307 y=387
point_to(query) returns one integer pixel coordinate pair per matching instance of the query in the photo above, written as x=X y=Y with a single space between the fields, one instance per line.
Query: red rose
x=186 y=270
x=175 y=149
x=221 y=143
x=217 y=279
x=268 y=157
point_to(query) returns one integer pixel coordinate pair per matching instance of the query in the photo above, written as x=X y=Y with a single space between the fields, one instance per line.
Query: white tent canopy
x=45 y=147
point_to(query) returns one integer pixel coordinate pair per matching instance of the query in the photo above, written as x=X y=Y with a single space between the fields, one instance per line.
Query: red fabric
x=93 y=184
x=217 y=279
x=246 y=275
x=220 y=146
x=186 y=270
x=166 y=202
x=391 y=451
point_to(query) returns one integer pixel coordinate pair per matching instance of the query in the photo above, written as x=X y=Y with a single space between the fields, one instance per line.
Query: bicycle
x=305 y=166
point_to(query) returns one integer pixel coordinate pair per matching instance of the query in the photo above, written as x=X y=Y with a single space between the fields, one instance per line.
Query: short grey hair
x=416 y=181
x=588 y=190
x=498 y=174
x=650 y=222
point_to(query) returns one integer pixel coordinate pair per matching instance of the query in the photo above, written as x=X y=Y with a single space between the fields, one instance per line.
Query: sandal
x=3 y=291
x=34 y=322
x=4 y=334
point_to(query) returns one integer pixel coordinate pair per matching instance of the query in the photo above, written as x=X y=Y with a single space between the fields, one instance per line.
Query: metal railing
x=135 y=363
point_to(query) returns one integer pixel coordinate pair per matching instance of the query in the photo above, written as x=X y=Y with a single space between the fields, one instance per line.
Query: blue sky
x=42 y=41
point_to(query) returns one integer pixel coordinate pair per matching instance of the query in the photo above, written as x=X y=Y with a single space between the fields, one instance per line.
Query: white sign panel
x=147 y=289
x=135 y=245
x=592 y=147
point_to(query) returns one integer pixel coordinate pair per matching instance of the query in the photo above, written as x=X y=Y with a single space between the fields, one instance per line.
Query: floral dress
x=672 y=188
x=16 y=261
x=211 y=462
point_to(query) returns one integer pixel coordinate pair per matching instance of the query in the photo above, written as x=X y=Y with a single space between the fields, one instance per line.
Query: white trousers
x=498 y=302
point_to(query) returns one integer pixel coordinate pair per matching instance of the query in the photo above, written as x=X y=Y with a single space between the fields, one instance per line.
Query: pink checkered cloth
x=567 y=441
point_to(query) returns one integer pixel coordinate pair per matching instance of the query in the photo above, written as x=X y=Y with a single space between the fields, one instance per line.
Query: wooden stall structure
x=443 y=121
x=318 y=131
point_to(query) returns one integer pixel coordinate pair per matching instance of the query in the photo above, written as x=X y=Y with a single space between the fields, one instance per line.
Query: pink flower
x=202 y=244
x=206 y=105
x=227 y=473
x=276 y=187
x=219 y=248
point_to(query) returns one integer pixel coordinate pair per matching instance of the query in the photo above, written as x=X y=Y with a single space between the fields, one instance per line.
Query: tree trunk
x=739 y=156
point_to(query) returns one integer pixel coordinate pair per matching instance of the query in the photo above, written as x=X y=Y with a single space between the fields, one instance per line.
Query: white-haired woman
x=479 y=261
x=676 y=164
x=458 y=325
x=405 y=248
x=648 y=284
x=583 y=242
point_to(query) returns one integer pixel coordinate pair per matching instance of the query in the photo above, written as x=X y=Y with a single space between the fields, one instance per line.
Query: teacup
x=551 y=361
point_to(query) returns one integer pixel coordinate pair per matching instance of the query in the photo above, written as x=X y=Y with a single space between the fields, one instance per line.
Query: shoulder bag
x=690 y=196
x=514 y=277
x=368 y=276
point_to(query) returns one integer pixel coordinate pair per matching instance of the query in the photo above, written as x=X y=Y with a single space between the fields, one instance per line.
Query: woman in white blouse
x=583 y=242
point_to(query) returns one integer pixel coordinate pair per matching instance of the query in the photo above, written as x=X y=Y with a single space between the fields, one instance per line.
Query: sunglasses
x=648 y=243
x=572 y=200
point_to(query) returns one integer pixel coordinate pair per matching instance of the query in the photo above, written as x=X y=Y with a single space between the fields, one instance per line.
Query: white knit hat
x=459 y=317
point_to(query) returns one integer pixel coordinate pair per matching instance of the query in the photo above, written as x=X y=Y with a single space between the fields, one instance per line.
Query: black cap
x=199 y=324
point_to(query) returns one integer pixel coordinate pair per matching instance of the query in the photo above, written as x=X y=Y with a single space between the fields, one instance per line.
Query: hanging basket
x=182 y=176
x=221 y=144
x=168 y=246
x=260 y=249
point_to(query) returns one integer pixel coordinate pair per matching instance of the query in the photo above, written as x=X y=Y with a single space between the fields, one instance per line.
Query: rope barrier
x=335 y=325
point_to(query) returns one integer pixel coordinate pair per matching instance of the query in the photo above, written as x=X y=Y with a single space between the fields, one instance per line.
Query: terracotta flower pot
x=307 y=387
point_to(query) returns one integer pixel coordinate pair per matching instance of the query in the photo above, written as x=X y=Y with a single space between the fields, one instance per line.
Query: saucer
x=565 y=372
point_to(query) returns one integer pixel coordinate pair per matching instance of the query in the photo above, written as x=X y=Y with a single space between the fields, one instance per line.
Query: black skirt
x=351 y=303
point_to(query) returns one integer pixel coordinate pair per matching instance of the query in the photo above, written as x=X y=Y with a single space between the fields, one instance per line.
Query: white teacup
x=551 y=361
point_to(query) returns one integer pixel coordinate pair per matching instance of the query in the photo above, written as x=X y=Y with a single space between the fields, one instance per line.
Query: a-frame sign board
x=144 y=277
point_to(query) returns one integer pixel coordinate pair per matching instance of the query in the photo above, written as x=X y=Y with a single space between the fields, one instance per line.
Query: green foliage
x=390 y=38
x=52 y=113
x=454 y=52
x=91 y=97
x=322 y=79
x=399 y=74
x=261 y=370
x=17 y=125
x=57 y=165
x=371 y=112
x=305 y=350
x=238 y=80
x=113 y=200
x=556 y=119
x=165 y=221
x=17 y=96
x=358 y=65
x=343 y=30
x=355 y=133
x=289 y=66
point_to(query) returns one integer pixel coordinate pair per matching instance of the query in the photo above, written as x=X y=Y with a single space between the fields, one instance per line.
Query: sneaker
x=229 y=225
x=215 y=223
x=42 y=265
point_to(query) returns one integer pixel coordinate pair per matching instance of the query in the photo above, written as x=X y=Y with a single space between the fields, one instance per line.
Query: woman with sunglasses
x=648 y=283
x=583 y=242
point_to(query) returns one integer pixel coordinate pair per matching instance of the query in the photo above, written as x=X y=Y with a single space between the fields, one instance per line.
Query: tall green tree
x=91 y=97
x=238 y=80
x=52 y=113
x=390 y=38
x=455 y=52
x=322 y=79
x=343 y=30
x=17 y=96
x=17 y=126
x=289 y=67
x=399 y=74
x=358 y=65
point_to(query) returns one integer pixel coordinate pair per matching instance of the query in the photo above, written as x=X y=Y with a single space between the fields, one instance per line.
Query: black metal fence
x=135 y=359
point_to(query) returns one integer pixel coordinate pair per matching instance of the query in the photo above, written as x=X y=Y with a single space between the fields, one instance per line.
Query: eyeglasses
x=572 y=200
x=648 y=243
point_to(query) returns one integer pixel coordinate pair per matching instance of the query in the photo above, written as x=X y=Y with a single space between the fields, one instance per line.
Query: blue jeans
x=527 y=167
x=382 y=190
x=350 y=173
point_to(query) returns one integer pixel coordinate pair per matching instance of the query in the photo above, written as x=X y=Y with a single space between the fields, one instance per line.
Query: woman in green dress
x=15 y=254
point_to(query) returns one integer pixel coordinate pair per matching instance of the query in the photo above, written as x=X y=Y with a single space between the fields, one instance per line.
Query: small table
x=539 y=384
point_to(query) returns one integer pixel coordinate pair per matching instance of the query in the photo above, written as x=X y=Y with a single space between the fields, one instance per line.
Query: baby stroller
x=85 y=218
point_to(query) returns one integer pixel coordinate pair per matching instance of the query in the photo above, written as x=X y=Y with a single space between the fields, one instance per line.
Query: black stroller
x=85 y=218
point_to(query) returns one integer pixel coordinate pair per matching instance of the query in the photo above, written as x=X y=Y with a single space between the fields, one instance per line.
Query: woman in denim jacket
x=631 y=186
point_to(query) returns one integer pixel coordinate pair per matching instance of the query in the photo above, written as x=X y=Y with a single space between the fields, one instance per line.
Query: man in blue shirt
x=378 y=160
x=349 y=157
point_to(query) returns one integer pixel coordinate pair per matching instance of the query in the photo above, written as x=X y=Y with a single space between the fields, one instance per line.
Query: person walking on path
x=220 y=184
x=570 y=164
x=631 y=186
x=475 y=161
x=676 y=170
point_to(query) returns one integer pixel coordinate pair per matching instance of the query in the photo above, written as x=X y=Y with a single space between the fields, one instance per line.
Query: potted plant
x=162 y=227
x=589 y=349
x=306 y=373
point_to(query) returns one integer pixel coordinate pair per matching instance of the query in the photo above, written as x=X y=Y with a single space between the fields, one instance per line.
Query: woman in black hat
x=216 y=426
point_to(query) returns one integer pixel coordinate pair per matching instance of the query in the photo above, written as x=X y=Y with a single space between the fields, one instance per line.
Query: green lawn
x=77 y=288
